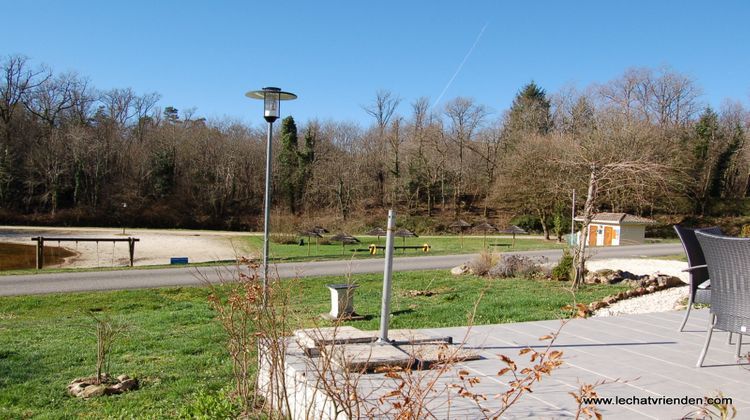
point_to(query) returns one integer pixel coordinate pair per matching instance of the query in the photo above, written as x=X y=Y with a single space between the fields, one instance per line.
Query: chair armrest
x=693 y=268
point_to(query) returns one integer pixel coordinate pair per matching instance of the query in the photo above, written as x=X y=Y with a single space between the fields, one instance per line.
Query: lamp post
x=272 y=97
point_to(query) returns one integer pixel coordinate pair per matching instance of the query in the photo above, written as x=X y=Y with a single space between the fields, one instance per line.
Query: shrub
x=562 y=271
x=482 y=264
x=527 y=222
x=745 y=233
x=518 y=266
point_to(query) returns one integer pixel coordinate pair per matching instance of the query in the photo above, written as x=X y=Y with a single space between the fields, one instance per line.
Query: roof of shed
x=619 y=218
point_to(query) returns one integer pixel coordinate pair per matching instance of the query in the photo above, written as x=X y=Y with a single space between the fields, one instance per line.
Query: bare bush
x=482 y=264
x=256 y=334
x=510 y=266
x=106 y=334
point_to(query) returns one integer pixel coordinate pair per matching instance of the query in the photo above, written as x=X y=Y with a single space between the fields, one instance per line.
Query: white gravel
x=662 y=301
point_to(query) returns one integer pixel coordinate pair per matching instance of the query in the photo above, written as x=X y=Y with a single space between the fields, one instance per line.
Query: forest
x=72 y=154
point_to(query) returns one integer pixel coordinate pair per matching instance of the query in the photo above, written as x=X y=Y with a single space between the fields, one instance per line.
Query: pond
x=19 y=256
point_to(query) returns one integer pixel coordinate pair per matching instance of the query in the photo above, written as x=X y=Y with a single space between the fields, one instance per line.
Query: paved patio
x=644 y=350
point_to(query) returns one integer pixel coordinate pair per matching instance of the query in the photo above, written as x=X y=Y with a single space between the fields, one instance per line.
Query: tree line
x=73 y=154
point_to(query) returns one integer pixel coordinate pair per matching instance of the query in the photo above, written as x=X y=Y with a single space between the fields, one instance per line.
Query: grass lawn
x=176 y=349
x=440 y=245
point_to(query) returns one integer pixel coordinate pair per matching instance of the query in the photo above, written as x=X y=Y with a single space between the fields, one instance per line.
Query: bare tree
x=465 y=117
x=618 y=157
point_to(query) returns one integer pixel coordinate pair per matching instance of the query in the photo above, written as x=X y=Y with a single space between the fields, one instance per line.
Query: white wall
x=632 y=234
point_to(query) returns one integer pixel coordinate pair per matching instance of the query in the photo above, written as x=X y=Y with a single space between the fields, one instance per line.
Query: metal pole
x=267 y=213
x=385 y=311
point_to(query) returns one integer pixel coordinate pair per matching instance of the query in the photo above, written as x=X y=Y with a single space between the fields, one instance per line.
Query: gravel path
x=662 y=301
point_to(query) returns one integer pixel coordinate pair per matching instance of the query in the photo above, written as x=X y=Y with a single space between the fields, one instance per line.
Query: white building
x=613 y=229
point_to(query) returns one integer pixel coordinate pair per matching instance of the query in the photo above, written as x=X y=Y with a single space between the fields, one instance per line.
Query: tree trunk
x=588 y=214
x=543 y=221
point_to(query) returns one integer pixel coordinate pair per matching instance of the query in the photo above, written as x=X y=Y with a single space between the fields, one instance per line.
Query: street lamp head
x=271 y=96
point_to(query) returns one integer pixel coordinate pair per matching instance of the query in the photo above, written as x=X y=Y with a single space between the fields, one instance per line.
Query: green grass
x=440 y=245
x=176 y=349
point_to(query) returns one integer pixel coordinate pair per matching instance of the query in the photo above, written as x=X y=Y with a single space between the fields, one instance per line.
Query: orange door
x=592 y=235
x=609 y=233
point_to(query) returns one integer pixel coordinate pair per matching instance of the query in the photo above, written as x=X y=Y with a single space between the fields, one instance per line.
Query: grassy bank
x=176 y=349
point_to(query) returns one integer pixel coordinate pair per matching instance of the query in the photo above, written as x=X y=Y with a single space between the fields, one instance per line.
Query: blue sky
x=336 y=55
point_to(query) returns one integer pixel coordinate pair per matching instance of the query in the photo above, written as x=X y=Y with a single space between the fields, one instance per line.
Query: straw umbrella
x=344 y=238
x=485 y=227
x=405 y=233
x=514 y=230
x=319 y=230
x=311 y=234
x=460 y=225
x=377 y=232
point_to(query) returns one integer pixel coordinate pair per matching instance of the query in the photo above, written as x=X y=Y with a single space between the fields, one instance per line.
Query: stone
x=127 y=385
x=368 y=357
x=669 y=281
x=610 y=300
x=123 y=378
x=76 y=389
x=93 y=391
x=651 y=289
x=594 y=306
x=312 y=339
x=461 y=270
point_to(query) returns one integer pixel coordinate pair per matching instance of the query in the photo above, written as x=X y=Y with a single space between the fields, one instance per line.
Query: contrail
x=460 y=66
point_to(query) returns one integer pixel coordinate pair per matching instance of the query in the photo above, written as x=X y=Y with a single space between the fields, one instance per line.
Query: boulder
x=94 y=391
x=461 y=270
x=669 y=281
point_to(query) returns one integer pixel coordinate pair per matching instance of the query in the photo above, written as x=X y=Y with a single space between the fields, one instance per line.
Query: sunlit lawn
x=176 y=348
x=439 y=245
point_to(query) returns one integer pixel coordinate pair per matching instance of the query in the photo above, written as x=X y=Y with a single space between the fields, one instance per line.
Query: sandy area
x=154 y=247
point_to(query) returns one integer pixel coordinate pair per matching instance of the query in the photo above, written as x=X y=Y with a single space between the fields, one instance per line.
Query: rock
x=594 y=306
x=609 y=300
x=76 y=389
x=651 y=289
x=461 y=270
x=591 y=278
x=128 y=385
x=93 y=391
x=669 y=281
x=640 y=291
x=123 y=378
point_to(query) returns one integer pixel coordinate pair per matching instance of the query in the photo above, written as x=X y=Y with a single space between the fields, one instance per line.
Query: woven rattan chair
x=728 y=261
x=696 y=267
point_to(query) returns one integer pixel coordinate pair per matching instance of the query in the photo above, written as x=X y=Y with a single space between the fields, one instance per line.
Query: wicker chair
x=696 y=267
x=728 y=261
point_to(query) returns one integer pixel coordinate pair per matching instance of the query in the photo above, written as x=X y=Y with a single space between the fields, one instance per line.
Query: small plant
x=106 y=333
x=745 y=232
x=209 y=406
x=482 y=264
x=564 y=268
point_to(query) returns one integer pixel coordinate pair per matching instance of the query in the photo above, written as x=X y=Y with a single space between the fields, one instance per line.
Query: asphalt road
x=32 y=284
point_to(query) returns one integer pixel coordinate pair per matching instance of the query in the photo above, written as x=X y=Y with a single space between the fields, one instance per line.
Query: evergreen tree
x=530 y=111
x=707 y=140
x=289 y=163
x=726 y=166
